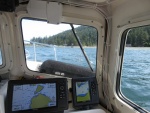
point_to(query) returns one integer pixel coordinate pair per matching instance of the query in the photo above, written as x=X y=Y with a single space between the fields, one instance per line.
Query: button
x=62 y=83
x=62 y=88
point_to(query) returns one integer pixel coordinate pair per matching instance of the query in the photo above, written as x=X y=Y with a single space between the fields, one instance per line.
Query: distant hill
x=87 y=35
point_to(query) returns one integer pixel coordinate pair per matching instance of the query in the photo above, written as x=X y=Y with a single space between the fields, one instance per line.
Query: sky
x=33 y=28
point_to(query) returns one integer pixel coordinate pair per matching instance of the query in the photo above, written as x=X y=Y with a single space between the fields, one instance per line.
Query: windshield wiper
x=79 y=42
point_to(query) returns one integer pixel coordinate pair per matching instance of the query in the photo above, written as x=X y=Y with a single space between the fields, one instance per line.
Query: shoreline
x=63 y=46
x=137 y=47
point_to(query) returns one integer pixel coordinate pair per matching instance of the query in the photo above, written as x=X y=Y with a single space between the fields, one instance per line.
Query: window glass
x=44 y=41
x=135 y=82
x=0 y=57
x=89 y=41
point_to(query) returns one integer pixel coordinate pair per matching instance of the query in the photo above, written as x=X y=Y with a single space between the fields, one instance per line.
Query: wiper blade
x=79 y=42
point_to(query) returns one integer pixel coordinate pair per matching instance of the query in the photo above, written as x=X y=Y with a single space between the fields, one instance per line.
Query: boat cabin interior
x=70 y=56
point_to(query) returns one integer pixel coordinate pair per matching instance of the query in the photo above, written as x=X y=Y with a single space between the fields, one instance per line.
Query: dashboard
x=50 y=95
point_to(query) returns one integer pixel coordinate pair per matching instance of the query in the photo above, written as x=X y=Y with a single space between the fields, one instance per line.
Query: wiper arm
x=78 y=40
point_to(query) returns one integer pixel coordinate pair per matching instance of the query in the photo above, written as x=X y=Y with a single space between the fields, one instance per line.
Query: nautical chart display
x=32 y=96
x=82 y=91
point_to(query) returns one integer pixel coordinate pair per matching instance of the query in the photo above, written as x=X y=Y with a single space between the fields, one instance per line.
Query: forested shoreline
x=137 y=37
x=87 y=36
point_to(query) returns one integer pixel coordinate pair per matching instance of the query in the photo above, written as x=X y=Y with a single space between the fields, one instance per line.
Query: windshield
x=44 y=41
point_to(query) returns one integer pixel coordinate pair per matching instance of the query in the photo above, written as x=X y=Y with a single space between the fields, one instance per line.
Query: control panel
x=62 y=94
x=94 y=90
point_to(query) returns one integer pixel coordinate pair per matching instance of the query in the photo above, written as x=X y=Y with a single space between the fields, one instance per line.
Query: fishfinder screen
x=82 y=91
x=33 y=96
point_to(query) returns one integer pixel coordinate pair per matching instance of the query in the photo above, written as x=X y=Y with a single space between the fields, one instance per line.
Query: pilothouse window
x=64 y=45
x=135 y=82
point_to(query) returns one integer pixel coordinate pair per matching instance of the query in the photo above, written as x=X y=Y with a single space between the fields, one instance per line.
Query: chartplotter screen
x=32 y=96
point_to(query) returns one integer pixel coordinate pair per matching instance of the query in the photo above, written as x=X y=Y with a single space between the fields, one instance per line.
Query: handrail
x=46 y=45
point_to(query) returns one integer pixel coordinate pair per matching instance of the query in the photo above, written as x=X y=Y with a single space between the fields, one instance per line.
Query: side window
x=0 y=57
x=135 y=81
x=58 y=43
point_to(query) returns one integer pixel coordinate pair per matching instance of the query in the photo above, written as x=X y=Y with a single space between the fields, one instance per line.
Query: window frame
x=2 y=51
x=2 y=54
x=6 y=36
x=97 y=34
x=119 y=73
x=92 y=24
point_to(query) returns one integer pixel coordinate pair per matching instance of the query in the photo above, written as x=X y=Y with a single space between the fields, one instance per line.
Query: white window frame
x=95 y=24
x=123 y=30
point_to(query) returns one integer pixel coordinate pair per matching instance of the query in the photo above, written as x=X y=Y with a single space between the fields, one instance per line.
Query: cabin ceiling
x=96 y=1
x=17 y=5
x=99 y=2
x=10 y=5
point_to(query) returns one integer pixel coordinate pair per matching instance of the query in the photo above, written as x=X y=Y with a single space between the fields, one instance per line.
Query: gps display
x=31 y=96
x=37 y=95
x=82 y=91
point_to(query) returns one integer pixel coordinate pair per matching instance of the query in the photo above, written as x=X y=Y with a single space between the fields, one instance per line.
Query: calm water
x=135 y=83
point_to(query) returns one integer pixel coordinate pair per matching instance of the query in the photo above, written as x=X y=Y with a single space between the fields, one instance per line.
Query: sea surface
x=72 y=55
x=135 y=81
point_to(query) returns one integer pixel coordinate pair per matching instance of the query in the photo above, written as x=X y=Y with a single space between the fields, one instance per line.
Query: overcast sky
x=33 y=28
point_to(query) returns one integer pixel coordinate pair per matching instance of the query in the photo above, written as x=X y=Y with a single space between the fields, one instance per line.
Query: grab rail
x=41 y=44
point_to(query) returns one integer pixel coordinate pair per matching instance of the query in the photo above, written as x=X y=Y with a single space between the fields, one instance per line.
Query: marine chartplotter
x=38 y=95
x=85 y=92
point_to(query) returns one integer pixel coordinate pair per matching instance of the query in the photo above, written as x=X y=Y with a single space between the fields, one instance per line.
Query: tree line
x=87 y=35
x=137 y=37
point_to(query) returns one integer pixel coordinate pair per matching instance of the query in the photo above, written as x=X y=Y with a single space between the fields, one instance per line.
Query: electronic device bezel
x=94 y=99
x=61 y=103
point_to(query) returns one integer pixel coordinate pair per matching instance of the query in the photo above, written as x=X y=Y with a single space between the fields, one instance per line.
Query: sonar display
x=82 y=91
